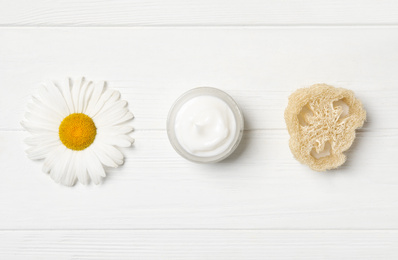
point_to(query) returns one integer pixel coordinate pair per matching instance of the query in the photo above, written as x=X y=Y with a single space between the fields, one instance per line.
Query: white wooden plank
x=260 y=59
x=199 y=244
x=205 y=12
x=260 y=186
x=259 y=67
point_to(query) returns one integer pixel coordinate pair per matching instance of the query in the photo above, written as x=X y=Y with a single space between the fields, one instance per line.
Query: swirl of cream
x=205 y=126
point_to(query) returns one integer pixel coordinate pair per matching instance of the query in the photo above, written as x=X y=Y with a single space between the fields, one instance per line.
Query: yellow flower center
x=77 y=131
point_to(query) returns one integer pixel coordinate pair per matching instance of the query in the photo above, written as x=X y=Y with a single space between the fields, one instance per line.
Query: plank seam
x=206 y=26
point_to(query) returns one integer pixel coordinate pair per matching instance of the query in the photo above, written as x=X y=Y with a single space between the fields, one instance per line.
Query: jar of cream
x=205 y=125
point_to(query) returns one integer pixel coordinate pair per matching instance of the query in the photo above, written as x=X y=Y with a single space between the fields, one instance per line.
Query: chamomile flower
x=77 y=129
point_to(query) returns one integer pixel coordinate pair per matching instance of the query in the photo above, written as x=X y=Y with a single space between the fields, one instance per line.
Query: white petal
x=82 y=96
x=117 y=140
x=97 y=93
x=113 y=99
x=66 y=93
x=115 y=130
x=87 y=96
x=109 y=119
x=57 y=96
x=69 y=177
x=76 y=88
x=111 y=152
x=42 y=138
x=94 y=167
x=128 y=116
x=41 y=151
x=42 y=120
x=44 y=105
x=114 y=120
x=35 y=108
x=53 y=158
x=117 y=107
x=81 y=169
x=60 y=165
x=48 y=98
x=102 y=101
x=38 y=127
x=103 y=156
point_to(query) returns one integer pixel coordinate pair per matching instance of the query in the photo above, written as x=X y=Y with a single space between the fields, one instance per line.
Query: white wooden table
x=258 y=204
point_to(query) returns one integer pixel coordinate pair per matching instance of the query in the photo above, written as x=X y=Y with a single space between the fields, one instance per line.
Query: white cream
x=205 y=126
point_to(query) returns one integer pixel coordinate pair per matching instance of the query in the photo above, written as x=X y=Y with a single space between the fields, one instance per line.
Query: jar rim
x=204 y=91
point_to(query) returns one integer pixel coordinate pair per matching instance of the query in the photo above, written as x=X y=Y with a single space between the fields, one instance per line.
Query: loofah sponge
x=321 y=121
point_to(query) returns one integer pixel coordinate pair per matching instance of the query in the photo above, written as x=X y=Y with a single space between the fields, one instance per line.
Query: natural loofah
x=321 y=121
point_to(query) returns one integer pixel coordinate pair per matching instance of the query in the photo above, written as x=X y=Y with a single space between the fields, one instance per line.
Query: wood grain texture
x=198 y=13
x=259 y=67
x=198 y=244
x=260 y=186
x=259 y=203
